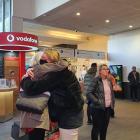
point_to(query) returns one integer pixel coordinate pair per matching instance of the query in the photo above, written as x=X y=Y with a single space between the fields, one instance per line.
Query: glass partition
x=5 y=15
x=1 y=15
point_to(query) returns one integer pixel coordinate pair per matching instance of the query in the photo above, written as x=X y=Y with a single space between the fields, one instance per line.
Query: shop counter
x=6 y=104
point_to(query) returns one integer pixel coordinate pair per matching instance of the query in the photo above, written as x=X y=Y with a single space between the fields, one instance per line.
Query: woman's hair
x=52 y=54
x=101 y=66
x=36 y=58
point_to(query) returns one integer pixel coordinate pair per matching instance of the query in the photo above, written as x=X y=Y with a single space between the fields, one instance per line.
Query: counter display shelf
x=6 y=104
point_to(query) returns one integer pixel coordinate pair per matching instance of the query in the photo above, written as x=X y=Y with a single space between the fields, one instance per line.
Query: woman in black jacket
x=66 y=100
x=100 y=93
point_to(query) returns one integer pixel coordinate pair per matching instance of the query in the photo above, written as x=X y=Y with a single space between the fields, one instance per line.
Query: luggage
x=16 y=132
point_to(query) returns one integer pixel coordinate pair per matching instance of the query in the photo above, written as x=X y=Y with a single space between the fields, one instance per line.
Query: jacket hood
x=40 y=70
x=92 y=71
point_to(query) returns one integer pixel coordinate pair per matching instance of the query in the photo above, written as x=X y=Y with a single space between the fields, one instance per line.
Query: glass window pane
x=1 y=15
x=7 y=17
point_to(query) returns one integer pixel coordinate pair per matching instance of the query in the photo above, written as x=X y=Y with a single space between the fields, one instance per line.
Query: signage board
x=90 y=54
x=16 y=41
x=65 y=52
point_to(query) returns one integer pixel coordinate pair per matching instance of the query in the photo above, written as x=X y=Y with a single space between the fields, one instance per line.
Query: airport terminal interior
x=83 y=32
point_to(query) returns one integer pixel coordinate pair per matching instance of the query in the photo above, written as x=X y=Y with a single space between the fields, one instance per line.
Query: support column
x=21 y=64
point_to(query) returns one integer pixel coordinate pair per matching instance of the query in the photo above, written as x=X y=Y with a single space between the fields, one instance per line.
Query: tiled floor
x=125 y=126
x=5 y=129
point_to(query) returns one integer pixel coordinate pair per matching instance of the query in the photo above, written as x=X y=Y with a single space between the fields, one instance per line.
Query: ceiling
x=121 y=14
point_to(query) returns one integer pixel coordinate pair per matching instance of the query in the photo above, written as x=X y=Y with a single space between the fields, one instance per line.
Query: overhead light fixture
x=130 y=26
x=78 y=14
x=107 y=20
x=64 y=35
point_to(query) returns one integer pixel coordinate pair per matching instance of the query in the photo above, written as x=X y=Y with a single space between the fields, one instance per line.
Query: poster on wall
x=117 y=72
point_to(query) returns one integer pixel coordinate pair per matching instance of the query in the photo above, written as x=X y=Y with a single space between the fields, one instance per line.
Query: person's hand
x=30 y=73
x=117 y=87
x=25 y=75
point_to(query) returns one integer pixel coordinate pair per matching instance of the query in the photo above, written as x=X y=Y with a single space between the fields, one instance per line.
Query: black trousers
x=134 y=92
x=100 y=123
x=89 y=115
x=112 y=113
x=37 y=134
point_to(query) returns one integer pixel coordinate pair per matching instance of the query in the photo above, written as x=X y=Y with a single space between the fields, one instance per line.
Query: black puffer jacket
x=133 y=80
x=66 y=84
x=95 y=93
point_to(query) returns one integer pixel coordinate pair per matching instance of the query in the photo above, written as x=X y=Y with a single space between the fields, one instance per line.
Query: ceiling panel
x=121 y=13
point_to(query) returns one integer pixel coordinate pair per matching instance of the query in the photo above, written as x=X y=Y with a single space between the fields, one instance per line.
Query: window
x=5 y=15
x=1 y=15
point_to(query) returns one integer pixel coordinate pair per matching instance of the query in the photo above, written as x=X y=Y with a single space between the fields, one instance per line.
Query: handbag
x=33 y=104
x=15 y=132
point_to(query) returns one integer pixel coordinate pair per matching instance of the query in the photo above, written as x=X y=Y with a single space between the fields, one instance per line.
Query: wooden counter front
x=6 y=104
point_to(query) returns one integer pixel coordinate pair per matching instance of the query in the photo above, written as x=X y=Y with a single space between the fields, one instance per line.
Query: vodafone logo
x=17 y=41
x=10 y=38
x=26 y=39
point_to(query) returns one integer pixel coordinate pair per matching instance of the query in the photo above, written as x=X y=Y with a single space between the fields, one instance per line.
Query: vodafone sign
x=15 y=41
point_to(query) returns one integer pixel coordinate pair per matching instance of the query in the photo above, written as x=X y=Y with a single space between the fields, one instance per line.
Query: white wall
x=17 y=24
x=33 y=8
x=124 y=49
x=23 y=8
x=97 y=43
x=43 y=6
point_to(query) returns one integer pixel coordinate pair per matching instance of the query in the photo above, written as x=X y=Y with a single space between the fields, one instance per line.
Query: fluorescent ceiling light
x=107 y=20
x=130 y=26
x=64 y=35
x=78 y=14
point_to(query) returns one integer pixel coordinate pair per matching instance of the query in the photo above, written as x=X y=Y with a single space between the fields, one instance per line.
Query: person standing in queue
x=66 y=100
x=91 y=73
x=100 y=93
x=114 y=83
x=133 y=78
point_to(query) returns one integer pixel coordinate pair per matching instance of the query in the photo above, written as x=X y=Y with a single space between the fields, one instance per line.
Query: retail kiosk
x=13 y=46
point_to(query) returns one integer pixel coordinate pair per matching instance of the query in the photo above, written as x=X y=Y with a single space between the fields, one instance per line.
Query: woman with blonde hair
x=38 y=123
x=66 y=101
